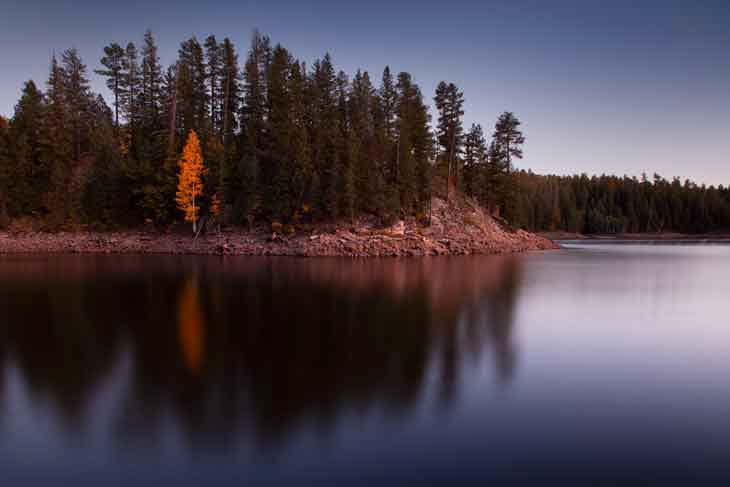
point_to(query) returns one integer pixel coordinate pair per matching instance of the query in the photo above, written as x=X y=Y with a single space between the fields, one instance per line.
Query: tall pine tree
x=450 y=105
x=113 y=62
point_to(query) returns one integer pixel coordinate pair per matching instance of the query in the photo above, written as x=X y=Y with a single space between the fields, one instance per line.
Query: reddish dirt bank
x=456 y=229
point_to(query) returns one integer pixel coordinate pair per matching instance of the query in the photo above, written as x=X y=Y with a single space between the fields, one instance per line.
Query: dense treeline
x=279 y=140
x=610 y=204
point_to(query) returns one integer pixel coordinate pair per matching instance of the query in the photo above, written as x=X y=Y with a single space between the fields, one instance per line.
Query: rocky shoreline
x=461 y=230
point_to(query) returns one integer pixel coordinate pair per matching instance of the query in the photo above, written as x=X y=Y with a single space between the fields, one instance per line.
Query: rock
x=398 y=228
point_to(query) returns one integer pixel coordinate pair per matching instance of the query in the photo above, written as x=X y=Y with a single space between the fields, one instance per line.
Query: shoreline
x=341 y=243
x=458 y=227
x=644 y=237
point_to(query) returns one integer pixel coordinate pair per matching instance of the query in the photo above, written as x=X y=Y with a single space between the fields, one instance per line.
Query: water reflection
x=190 y=326
x=248 y=350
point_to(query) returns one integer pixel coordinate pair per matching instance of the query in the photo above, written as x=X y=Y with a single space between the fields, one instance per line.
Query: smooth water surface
x=593 y=362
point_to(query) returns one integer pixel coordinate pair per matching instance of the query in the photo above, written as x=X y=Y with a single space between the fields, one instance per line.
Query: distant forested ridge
x=269 y=138
x=611 y=204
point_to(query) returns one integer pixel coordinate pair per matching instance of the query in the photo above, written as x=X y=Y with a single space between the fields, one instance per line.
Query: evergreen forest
x=275 y=139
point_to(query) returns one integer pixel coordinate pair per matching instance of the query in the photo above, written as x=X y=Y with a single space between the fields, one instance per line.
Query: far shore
x=662 y=236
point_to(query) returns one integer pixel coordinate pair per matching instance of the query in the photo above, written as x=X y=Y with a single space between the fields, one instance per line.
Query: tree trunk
x=116 y=101
x=195 y=218
x=173 y=118
x=225 y=112
x=451 y=160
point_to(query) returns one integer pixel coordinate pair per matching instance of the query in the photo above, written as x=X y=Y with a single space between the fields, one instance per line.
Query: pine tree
x=113 y=62
x=151 y=84
x=31 y=178
x=344 y=186
x=246 y=194
x=500 y=184
x=214 y=76
x=386 y=119
x=56 y=148
x=449 y=103
x=254 y=108
x=362 y=142
x=104 y=195
x=77 y=96
x=414 y=146
x=231 y=92
x=506 y=144
x=171 y=119
x=275 y=156
x=385 y=199
x=423 y=148
x=508 y=138
x=324 y=135
x=155 y=176
x=214 y=159
x=193 y=99
x=476 y=177
x=6 y=179
x=405 y=176
x=190 y=184
x=300 y=170
x=131 y=82
x=150 y=144
x=388 y=100
x=229 y=182
x=253 y=141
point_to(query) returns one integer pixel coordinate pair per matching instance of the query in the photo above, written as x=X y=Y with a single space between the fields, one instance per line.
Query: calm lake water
x=594 y=362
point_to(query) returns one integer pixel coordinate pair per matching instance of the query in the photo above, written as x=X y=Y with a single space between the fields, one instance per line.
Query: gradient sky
x=601 y=86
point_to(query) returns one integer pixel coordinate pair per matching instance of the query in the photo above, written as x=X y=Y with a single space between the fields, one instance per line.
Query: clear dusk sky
x=601 y=86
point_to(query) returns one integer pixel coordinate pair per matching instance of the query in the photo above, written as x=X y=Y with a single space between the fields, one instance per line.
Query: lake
x=594 y=362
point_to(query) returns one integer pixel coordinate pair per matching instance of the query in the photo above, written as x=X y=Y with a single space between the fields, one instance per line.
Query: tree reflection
x=190 y=326
x=252 y=348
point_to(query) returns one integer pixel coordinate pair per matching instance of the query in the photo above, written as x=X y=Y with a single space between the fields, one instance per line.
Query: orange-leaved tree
x=189 y=184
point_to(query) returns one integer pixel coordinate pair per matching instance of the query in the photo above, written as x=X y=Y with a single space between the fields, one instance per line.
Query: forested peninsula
x=274 y=156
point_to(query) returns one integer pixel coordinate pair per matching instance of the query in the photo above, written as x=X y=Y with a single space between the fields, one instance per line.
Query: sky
x=616 y=87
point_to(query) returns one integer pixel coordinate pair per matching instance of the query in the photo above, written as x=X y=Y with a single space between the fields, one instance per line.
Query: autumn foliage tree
x=190 y=184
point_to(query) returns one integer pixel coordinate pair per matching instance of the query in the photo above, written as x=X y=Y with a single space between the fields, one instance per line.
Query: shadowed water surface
x=597 y=361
